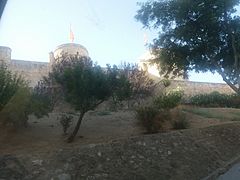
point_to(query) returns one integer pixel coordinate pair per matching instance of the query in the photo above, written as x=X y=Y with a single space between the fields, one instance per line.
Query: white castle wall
x=34 y=71
x=5 y=54
x=191 y=88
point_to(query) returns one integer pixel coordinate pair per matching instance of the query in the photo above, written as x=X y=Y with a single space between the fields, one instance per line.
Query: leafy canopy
x=198 y=35
x=9 y=84
x=84 y=84
x=18 y=100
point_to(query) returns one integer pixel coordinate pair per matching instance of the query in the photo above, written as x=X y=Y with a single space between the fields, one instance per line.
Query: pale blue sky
x=107 y=28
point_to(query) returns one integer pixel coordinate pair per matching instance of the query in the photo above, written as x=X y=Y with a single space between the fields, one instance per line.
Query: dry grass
x=45 y=135
x=223 y=114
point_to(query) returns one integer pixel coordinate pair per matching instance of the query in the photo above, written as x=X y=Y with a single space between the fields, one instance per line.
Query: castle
x=33 y=71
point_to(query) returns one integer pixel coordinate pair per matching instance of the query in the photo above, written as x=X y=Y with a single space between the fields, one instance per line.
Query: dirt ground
x=114 y=143
x=46 y=134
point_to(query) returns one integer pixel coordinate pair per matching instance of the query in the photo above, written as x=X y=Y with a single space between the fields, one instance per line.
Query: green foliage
x=153 y=117
x=42 y=96
x=24 y=102
x=166 y=82
x=168 y=100
x=84 y=84
x=195 y=34
x=17 y=100
x=120 y=85
x=148 y=117
x=65 y=121
x=128 y=82
x=9 y=84
x=216 y=99
x=14 y=98
x=142 y=86
x=15 y=112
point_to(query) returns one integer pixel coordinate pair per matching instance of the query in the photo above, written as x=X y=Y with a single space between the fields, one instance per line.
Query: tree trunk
x=232 y=86
x=74 y=133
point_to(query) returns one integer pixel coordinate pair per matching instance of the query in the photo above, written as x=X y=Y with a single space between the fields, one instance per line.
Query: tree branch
x=235 y=54
x=228 y=81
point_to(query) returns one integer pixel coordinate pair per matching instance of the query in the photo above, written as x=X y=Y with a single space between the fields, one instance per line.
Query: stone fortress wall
x=5 y=54
x=34 y=71
x=191 y=88
x=31 y=70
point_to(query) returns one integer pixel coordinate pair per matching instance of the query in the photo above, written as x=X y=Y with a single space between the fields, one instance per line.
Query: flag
x=71 y=34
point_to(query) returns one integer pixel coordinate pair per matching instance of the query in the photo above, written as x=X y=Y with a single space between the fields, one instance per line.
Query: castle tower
x=69 y=49
x=5 y=54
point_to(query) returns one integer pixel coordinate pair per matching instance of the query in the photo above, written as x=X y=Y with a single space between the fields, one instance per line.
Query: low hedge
x=216 y=99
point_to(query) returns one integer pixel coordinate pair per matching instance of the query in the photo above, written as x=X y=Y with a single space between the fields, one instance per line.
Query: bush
x=15 y=112
x=216 y=99
x=166 y=82
x=151 y=118
x=9 y=84
x=65 y=121
x=130 y=83
x=169 y=100
x=42 y=99
x=147 y=116
x=179 y=120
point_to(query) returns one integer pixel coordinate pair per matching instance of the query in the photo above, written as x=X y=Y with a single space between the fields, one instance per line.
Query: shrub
x=120 y=85
x=142 y=86
x=166 y=82
x=130 y=83
x=9 y=84
x=234 y=101
x=168 y=100
x=65 y=121
x=17 y=100
x=216 y=99
x=179 y=120
x=15 y=112
x=151 y=118
x=147 y=116
x=41 y=102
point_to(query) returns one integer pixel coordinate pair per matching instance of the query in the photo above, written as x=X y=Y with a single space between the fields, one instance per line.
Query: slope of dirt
x=113 y=147
x=46 y=134
x=188 y=154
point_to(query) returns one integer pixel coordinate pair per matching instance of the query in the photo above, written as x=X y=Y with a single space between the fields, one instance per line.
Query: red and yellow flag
x=71 y=36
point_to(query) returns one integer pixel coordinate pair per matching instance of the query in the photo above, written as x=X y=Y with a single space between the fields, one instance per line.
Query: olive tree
x=18 y=100
x=195 y=35
x=84 y=84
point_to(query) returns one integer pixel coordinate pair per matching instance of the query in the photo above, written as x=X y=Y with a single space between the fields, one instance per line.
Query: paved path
x=231 y=174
